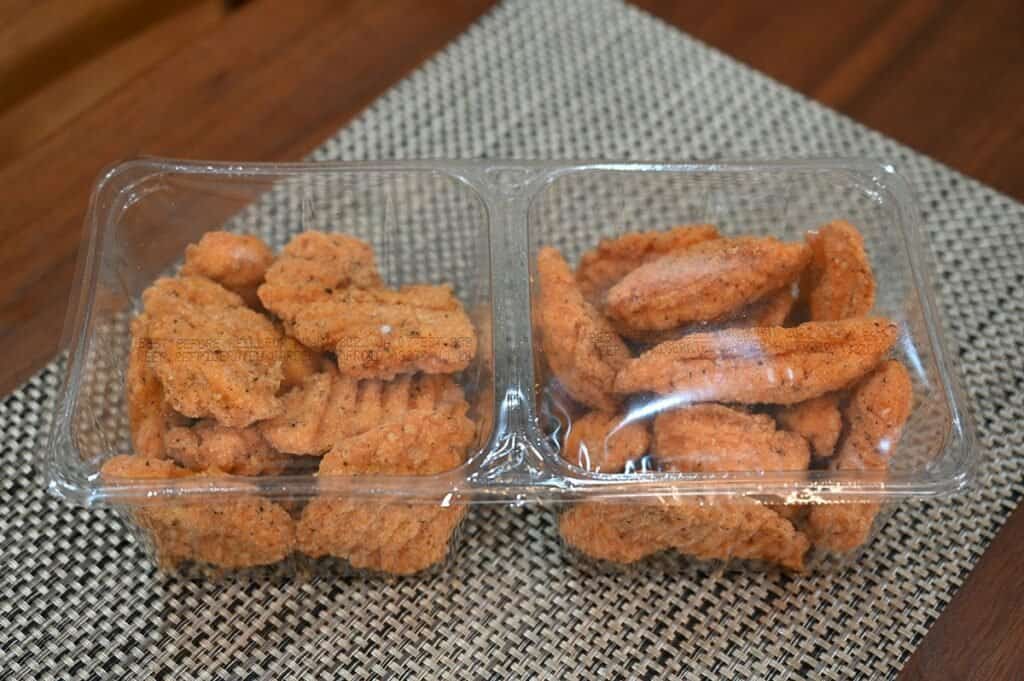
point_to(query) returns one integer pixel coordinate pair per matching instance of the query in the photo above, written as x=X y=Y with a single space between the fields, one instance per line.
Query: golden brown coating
x=329 y=407
x=381 y=333
x=297 y=363
x=705 y=282
x=329 y=295
x=236 y=532
x=312 y=266
x=612 y=259
x=875 y=416
x=711 y=438
x=400 y=538
x=838 y=283
x=762 y=365
x=392 y=537
x=582 y=350
x=238 y=262
x=149 y=413
x=237 y=451
x=737 y=528
x=772 y=310
x=602 y=442
x=423 y=442
x=214 y=356
x=817 y=420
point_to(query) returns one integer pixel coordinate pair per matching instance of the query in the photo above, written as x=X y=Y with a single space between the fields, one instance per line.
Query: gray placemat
x=78 y=599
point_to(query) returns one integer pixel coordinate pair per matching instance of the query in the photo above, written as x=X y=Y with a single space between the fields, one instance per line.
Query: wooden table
x=274 y=79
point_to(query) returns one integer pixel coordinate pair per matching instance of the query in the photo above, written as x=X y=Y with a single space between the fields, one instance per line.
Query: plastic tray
x=479 y=225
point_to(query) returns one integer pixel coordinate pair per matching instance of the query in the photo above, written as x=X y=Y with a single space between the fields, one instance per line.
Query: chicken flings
x=381 y=333
x=612 y=259
x=329 y=407
x=704 y=282
x=213 y=356
x=149 y=413
x=312 y=266
x=395 y=537
x=237 y=451
x=237 y=532
x=737 y=528
x=329 y=295
x=762 y=365
x=712 y=438
x=602 y=442
x=423 y=442
x=582 y=350
x=875 y=416
x=238 y=262
x=838 y=283
x=818 y=420
x=392 y=537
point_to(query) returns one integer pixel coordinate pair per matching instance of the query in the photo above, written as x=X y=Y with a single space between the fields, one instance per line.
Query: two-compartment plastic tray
x=479 y=225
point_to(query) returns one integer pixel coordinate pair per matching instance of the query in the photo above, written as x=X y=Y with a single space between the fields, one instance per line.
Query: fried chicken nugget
x=312 y=266
x=395 y=537
x=329 y=407
x=238 y=262
x=705 y=282
x=149 y=413
x=214 y=356
x=238 y=532
x=875 y=415
x=714 y=438
x=602 y=442
x=602 y=267
x=237 y=451
x=381 y=333
x=297 y=363
x=738 y=528
x=582 y=350
x=763 y=365
x=818 y=420
x=839 y=283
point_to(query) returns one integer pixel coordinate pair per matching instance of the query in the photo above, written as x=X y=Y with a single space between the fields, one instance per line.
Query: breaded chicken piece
x=297 y=363
x=818 y=420
x=763 y=365
x=838 y=283
x=582 y=350
x=772 y=310
x=737 y=528
x=237 y=532
x=381 y=333
x=602 y=442
x=312 y=266
x=328 y=408
x=237 y=451
x=711 y=438
x=875 y=416
x=612 y=259
x=238 y=262
x=214 y=356
x=705 y=282
x=149 y=413
x=394 y=537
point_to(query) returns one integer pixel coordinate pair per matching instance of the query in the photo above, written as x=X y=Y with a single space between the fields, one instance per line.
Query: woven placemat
x=79 y=600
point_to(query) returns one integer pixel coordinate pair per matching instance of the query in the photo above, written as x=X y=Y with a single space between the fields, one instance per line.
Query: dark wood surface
x=275 y=78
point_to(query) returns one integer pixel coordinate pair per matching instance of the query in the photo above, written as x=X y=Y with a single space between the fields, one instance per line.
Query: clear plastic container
x=480 y=225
